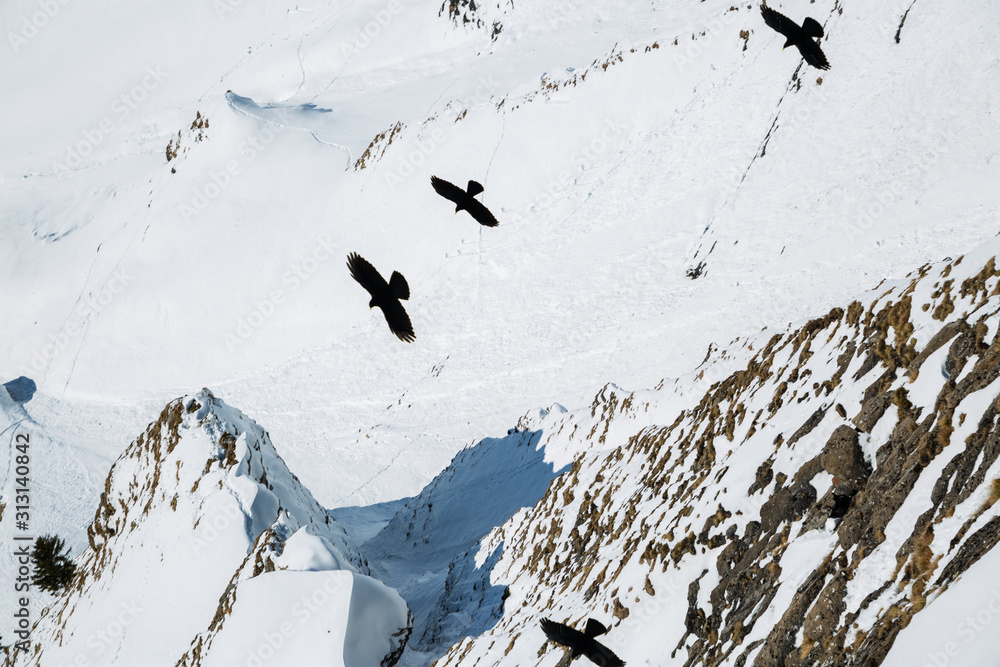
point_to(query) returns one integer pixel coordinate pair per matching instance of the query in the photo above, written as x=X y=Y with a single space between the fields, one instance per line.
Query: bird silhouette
x=582 y=643
x=385 y=295
x=465 y=200
x=801 y=37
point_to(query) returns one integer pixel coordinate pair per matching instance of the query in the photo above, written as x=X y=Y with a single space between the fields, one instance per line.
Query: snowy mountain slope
x=436 y=534
x=70 y=448
x=621 y=144
x=200 y=528
x=604 y=188
x=592 y=267
x=701 y=532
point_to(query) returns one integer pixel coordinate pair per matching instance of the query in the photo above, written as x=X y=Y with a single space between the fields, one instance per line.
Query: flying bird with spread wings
x=385 y=295
x=465 y=200
x=801 y=37
x=582 y=643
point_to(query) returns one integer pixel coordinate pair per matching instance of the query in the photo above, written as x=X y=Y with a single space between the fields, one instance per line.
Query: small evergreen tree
x=53 y=568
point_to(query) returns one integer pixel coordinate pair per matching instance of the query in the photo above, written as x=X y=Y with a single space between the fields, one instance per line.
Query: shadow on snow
x=428 y=550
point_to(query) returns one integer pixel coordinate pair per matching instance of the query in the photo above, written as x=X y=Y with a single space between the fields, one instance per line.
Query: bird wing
x=480 y=213
x=398 y=320
x=580 y=643
x=602 y=656
x=366 y=274
x=813 y=54
x=564 y=635
x=780 y=22
x=448 y=190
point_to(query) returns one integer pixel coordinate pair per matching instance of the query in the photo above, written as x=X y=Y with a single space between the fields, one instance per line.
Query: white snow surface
x=187 y=509
x=608 y=191
x=960 y=628
x=548 y=568
x=312 y=618
x=127 y=279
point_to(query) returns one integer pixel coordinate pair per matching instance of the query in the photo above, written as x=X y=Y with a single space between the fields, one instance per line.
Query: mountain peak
x=201 y=519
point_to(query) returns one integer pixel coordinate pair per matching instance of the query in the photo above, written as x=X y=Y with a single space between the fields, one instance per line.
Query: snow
x=879 y=435
x=923 y=391
x=304 y=551
x=625 y=173
x=957 y=628
x=364 y=523
x=430 y=550
x=174 y=535
x=803 y=555
x=124 y=283
x=333 y=617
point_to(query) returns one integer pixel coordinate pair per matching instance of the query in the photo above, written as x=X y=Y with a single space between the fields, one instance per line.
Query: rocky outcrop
x=799 y=513
x=474 y=14
x=843 y=458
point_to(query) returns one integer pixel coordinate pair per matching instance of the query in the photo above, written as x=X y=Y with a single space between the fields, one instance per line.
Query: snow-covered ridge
x=701 y=527
x=204 y=530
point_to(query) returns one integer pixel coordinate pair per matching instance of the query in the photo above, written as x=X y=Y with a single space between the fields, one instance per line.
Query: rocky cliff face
x=796 y=500
x=798 y=511
x=203 y=544
x=483 y=14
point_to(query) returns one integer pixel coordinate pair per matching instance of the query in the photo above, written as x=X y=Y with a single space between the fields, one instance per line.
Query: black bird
x=465 y=200
x=801 y=37
x=582 y=643
x=841 y=503
x=385 y=295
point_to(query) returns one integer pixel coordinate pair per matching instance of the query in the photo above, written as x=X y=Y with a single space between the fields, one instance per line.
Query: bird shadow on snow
x=429 y=550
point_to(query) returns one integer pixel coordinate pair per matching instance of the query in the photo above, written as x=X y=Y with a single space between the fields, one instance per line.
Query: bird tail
x=812 y=27
x=594 y=628
x=397 y=283
x=474 y=188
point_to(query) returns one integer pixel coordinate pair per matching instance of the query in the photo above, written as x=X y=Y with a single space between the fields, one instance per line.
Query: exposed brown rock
x=842 y=457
